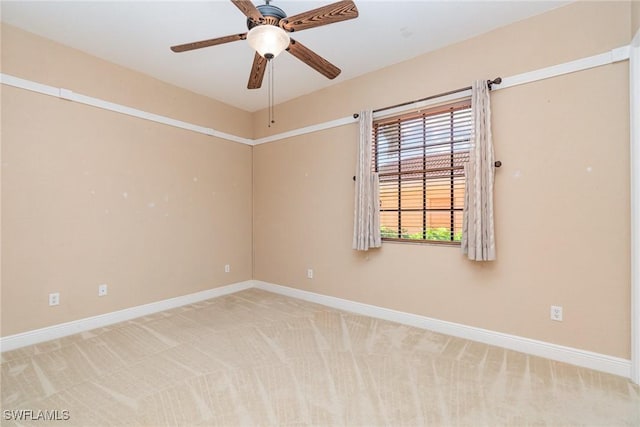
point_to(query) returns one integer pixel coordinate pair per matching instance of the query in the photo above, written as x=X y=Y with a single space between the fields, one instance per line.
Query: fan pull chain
x=271 y=92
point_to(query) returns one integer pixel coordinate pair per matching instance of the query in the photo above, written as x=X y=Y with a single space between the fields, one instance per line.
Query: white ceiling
x=137 y=35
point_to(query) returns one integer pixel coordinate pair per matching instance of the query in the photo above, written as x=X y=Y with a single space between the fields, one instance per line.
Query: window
x=420 y=158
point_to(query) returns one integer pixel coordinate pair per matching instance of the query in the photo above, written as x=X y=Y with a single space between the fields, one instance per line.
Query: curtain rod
x=495 y=81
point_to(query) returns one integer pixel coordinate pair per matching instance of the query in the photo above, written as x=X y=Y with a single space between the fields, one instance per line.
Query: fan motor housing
x=272 y=15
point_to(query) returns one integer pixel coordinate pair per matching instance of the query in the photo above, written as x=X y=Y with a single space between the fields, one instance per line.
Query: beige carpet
x=256 y=358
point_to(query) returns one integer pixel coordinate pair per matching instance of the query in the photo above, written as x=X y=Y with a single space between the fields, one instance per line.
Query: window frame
x=450 y=107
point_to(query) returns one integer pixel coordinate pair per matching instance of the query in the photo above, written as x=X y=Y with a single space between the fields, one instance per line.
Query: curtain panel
x=478 y=239
x=366 y=215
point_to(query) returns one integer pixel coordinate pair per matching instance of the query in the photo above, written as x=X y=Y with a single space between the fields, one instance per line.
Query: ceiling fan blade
x=257 y=72
x=334 y=12
x=248 y=8
x=206 y=43
x=313 y=60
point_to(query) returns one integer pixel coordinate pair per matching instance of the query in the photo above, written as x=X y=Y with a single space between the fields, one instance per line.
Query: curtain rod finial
x=495 y=81
x=356 y=115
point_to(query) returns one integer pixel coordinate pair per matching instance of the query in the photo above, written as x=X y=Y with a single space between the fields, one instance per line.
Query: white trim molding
x=615 y=55
x=587 y=359
x=307 y=129
x=634 y=88
x=583 y=358
x=13 y=342
x=611 y=57
x=62 y=93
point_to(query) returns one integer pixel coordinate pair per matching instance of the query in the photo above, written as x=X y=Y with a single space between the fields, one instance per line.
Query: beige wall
x=561 y=197
x=562 y=204
x=34 y=58
x=635 y=17
x=90 y=196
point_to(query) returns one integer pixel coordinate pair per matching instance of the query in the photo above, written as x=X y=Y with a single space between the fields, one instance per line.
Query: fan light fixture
x=268 y=40
x=268 y=35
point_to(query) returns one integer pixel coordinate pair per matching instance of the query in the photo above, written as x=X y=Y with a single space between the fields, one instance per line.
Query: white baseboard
x=12 y=342
x=574 y=356
x=587 y=359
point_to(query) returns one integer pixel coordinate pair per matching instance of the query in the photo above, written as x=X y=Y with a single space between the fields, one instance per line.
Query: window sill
x=422 y=242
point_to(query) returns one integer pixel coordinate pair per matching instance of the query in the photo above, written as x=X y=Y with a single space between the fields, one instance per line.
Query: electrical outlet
x=310 y=274
x=556 y=313
x=54 y=298
x=227 y=268
x=102 y=290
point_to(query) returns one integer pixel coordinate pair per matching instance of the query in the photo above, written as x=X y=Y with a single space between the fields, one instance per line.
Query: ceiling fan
x=270 y=19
